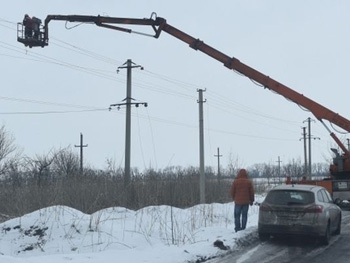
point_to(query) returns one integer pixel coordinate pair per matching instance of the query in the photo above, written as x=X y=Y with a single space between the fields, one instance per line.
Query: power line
x=94 y=55
x=47 y=112
x=143 y=83
x=221 y=102
x=47 y=103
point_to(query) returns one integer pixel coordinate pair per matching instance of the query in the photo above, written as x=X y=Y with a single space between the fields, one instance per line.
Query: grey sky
x=302 y=44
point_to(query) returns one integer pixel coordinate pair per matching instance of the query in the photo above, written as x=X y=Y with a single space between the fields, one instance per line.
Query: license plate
x=287 y=215
x=284 y=221
x=342 y=185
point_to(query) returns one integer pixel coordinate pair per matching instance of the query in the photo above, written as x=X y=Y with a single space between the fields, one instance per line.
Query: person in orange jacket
x=242 y=193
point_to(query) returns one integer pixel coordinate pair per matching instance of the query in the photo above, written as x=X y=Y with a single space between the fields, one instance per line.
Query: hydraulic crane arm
x=159 y=24
x=318 y=110
x=104 y=21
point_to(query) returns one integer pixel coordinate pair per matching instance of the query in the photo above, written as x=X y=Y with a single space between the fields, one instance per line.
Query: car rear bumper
x=295 y=229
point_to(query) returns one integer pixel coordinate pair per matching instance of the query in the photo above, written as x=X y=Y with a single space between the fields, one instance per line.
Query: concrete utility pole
x=279 y=169
x=201 y=148
x=309 y=135
x=305 y=154
x=128 y=102
x=308 y=120
x=218 y=155
x=81 y=146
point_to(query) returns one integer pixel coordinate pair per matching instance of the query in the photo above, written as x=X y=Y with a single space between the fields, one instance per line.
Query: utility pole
x=201 y=149
x=279 y=169
x=81 y=146
x=309 y=138
x=218 y=155
x=309 y=128
x=129 y=65
x=305 y=154
x=348 y=140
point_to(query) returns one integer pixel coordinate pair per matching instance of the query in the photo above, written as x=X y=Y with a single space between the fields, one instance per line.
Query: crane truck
x=338 y=181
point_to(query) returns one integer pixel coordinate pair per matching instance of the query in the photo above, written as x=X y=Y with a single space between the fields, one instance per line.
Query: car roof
x=298 y=187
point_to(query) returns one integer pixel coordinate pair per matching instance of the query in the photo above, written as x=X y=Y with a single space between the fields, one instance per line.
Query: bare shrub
x=55 y=179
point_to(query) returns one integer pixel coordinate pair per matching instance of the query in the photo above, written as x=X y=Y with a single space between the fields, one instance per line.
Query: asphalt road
x=294 y=250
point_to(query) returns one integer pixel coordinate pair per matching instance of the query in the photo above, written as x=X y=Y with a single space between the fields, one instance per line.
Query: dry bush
x=45 y=184
x=94 y=192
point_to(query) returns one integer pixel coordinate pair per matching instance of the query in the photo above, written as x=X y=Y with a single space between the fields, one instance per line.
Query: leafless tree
x=9 y=152
x=294 y=169
x=113 y=169
x=234 y=165
x=40 y=167
x=66 y=162
x=321 y=169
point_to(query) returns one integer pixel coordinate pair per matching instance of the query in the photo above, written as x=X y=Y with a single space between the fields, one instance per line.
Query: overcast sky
x=50 y=95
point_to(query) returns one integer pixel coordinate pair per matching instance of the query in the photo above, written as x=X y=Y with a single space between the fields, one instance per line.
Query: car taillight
x=265 y=208
x=314 y=209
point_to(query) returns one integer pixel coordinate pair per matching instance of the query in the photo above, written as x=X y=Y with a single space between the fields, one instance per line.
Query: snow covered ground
x=156 y=234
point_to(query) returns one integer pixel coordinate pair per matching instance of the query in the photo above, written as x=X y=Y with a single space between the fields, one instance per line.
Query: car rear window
x=290 y=197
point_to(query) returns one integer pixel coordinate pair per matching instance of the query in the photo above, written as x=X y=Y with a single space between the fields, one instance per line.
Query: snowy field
x=156 y=234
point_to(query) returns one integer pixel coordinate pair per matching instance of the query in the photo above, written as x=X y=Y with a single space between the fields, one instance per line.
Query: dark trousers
x=241 y=213
x=28 y=32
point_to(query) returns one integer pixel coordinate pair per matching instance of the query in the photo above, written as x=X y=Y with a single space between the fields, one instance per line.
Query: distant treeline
x=52 y=184
x=28 y=184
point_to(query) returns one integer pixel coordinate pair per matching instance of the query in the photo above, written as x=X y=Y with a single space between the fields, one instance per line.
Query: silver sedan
x=299 y=210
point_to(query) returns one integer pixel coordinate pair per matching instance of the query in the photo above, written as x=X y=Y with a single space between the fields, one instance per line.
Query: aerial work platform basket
x=34 y=39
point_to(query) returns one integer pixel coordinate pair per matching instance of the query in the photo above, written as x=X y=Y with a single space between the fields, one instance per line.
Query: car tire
x=264 y=236
x=338 y=230
x=327 y=236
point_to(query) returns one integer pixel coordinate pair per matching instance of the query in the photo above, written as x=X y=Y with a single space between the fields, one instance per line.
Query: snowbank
x=152 y=234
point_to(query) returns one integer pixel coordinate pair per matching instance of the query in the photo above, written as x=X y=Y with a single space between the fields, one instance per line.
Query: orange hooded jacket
x=242 y=190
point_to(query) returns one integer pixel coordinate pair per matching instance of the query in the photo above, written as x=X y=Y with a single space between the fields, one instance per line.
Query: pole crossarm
x=137 y=104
